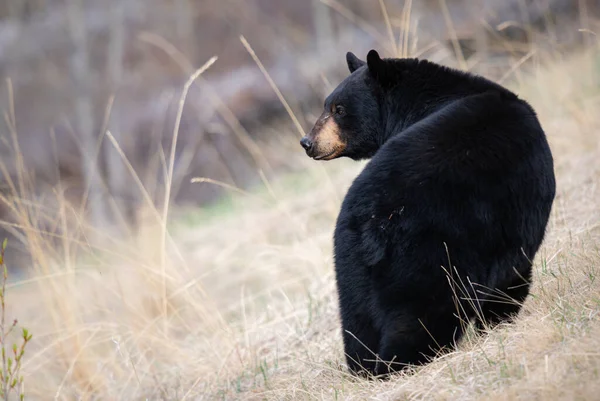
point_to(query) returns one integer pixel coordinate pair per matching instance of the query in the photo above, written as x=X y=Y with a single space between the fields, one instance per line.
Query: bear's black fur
x=441 y=226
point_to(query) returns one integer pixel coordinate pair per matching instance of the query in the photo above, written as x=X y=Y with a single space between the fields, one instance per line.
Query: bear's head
x=351 y=124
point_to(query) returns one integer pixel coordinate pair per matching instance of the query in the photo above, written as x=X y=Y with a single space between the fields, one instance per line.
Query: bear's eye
x=339 y=110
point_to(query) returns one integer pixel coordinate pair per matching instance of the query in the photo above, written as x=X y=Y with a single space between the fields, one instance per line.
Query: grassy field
x=239 y=302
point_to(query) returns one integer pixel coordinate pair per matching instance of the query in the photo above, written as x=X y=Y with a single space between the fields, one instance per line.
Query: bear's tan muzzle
x=323 y=142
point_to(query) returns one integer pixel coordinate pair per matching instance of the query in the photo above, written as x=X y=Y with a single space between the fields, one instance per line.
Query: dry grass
x=239 y=303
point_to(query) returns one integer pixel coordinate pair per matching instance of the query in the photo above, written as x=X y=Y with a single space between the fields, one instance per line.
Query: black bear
x=441 y=226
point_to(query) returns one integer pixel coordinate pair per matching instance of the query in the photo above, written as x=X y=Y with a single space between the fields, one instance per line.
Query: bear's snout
x=306 y=143
x=323 y=142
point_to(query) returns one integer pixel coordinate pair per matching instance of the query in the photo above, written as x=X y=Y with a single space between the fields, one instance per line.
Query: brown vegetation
x=237 y=300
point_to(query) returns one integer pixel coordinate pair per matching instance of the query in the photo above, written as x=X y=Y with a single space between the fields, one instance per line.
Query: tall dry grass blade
x=277 y=92
x=133 y=173
x=169 y=177
x=405 y=31
x=273 y=86
x=517 y=66
x=62 y=212
x=145 y=194
x=389 y=27
x=224 y=111
x=11 y=121
x=359 y=22
x=115 y=206
x=453 y=37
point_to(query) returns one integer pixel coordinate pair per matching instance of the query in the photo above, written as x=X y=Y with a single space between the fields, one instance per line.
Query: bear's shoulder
x=478 y=143
x=486 y=131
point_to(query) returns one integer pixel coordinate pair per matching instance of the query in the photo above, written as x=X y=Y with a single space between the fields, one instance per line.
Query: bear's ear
x=377 y=67
x=354 y=63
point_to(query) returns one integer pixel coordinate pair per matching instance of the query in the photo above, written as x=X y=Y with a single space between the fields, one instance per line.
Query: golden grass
x=243 y=306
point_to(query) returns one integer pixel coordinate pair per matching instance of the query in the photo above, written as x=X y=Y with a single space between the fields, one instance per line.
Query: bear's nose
x=306 y=143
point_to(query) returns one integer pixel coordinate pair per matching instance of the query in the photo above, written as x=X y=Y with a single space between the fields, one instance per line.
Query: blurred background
x=140 y=284
x=77 y=72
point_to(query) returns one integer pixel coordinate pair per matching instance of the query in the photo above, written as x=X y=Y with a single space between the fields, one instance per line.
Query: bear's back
x=474 y=179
